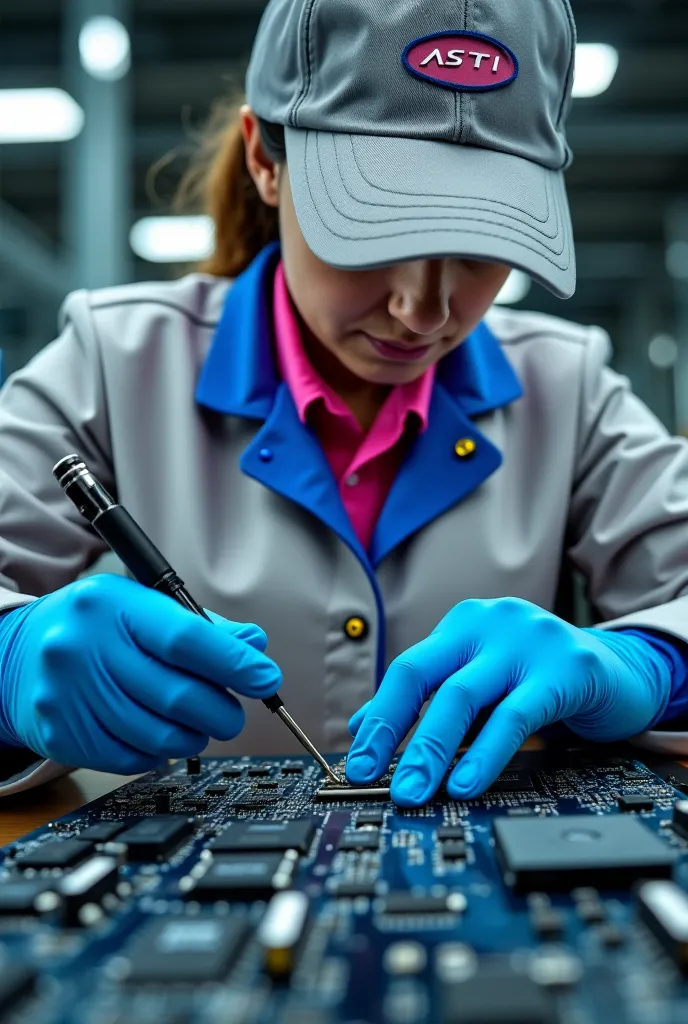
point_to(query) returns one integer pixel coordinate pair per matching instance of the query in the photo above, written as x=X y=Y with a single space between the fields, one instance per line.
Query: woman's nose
x=419 y=296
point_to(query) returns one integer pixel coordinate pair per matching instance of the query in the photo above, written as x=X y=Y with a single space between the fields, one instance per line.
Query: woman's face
x=387 y=325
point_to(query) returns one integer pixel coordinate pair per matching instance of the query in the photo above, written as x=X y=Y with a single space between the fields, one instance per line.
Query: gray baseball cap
x=424 y=129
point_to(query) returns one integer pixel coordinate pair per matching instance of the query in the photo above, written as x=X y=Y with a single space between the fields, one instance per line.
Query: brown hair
x=218 y=183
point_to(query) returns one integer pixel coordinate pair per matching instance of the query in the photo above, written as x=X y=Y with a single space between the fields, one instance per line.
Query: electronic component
x=257 y=770
x=634 y=802
x=162 y=801
x=370 y=816
x=497 y=996
x=548 y=923
x=193 y=766
x=563 y=852
x=155 y=838
x=232 y=771
x=86 y=884
x=368 y=839
x=17 y=981
x=450 y=832
x=454 y=849
x=350 y=794
x=184 y=950
x=680 y=818
x=220 y=789
x=281 y=931
x=292 y=768
x=265 y=835
x=59 y=853
x=235 y=876
x=512 y=782
x=101 y=832
x=664 y=909
x=407 y=903
x=18 y=897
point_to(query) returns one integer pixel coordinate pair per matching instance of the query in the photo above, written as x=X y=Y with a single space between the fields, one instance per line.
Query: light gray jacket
x=169 y=392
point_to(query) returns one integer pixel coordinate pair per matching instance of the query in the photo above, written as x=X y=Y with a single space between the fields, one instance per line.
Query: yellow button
x=465 y=448
x=355 y=628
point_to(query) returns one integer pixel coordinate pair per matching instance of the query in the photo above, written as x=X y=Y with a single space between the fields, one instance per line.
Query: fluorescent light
x=663 y=351
x=104 y=48
x=596 y=65
x=515 y=288
x=38 y=115
x=173 y=239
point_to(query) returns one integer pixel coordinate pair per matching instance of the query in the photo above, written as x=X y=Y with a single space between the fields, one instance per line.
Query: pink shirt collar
x=306 y=385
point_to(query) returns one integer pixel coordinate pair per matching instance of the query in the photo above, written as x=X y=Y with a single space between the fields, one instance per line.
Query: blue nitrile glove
x=106 y=673
x=533 y=666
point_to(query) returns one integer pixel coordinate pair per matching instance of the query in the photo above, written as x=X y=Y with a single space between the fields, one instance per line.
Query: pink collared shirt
x=364 y=465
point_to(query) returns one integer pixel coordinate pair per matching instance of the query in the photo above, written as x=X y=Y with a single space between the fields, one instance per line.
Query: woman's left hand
x=535 y=667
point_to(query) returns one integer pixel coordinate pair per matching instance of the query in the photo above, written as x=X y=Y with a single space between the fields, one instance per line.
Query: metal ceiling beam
x=27 y=256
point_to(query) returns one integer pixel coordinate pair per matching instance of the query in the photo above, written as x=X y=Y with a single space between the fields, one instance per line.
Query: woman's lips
x=400 y=353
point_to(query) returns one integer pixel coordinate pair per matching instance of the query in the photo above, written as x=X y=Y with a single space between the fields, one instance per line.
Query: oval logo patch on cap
x=468 y=61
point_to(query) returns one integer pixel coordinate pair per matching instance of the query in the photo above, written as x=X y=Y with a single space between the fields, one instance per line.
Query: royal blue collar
x=239 y=377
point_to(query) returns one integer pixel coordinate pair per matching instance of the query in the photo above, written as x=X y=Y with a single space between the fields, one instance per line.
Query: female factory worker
x=343 y=441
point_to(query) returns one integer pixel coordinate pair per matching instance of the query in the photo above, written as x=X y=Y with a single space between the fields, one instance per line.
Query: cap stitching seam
x=410 y=195
x=479 y=220
x=309 y=7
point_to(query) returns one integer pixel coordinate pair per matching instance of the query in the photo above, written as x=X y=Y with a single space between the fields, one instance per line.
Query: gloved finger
x=97 y=749
x=247 y=631
x=191 y=643
x=528 y=708
x=357 y=718
x=407 y=684
x=145 y=731
x=178 y=700
x=451 y=712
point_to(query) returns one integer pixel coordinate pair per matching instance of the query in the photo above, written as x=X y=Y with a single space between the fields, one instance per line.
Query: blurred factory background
x=94 y=92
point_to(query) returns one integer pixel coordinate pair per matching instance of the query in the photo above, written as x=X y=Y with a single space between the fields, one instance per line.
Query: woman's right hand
x=108 y=674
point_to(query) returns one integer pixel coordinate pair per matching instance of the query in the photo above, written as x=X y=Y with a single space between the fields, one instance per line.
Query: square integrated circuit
x=561 y=853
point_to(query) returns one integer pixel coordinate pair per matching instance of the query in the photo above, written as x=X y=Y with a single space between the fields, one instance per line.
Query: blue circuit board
x=247 y=891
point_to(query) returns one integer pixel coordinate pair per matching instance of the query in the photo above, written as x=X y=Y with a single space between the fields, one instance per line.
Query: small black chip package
x=265 y=835
x=634 y=802
x=450 y=832
x=235 y=876
x=59 y=853
x=101 y=832
x=539 y=854
x=18 y=897
x=372 y=816
x=496 y=996
x=155 y=838
x=182 y=950
x=363 y=839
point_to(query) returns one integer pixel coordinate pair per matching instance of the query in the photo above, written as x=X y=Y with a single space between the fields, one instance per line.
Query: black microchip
x=257 y=770
x=18 y=896
x=237 y=876
x=232 y=772
x=179 y=950
x=538 y=854
x=102 y=831
x=55 y=854
x=634 y=802
x=405 y=903
x=368 y=839
x=217 y=790
x=374 y=816
x=292 y=768
x=493 y=996
x=267 y=785
x=155 y=838
x=512 y=782
x=450 y=832
x=16 y=982
x=353 y=889
x=455 y=849
x=265 y=835
x=257 y=802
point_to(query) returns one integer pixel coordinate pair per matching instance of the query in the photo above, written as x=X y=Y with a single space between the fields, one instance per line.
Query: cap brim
x=366 y=201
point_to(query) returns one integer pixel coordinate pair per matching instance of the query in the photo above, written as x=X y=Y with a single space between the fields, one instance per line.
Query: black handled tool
x=146 y=564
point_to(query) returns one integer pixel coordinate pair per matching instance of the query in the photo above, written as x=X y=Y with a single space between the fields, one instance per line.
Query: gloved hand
x=535 y=667
x=108 y=674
